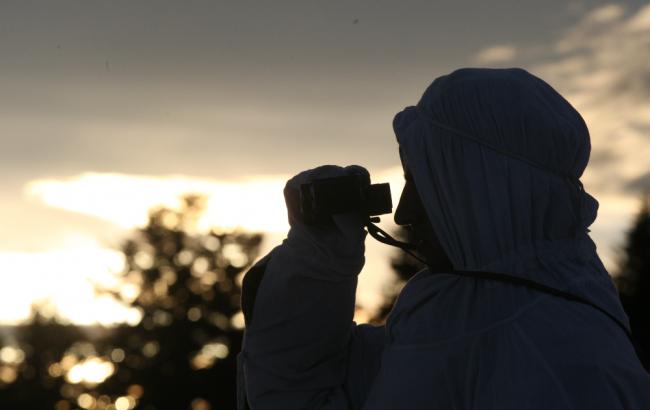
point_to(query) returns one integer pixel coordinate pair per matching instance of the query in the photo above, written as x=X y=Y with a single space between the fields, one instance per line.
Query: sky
x=112 y=107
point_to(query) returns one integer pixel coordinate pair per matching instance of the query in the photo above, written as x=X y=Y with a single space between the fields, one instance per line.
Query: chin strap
x=383 y=237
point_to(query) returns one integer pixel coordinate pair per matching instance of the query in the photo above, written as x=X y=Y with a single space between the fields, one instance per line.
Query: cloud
x=254 y=204
x=62 y=281
x=639 y=22
x=601 y=66
x=496 y=54
x=605 y=14
x=640 y=184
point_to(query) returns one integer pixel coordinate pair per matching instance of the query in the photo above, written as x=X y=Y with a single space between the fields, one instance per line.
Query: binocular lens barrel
x=321 y=199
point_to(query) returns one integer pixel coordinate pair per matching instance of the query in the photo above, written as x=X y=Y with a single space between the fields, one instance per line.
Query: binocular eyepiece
x=318 y=200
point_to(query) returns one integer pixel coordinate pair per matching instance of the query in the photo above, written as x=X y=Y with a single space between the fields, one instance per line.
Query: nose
x=405 y=212
x=399 y=211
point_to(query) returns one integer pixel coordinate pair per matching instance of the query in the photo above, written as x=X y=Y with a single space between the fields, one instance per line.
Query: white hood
x=496 y=156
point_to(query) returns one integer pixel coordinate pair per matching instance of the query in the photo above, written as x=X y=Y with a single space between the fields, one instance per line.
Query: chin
x=437 y=260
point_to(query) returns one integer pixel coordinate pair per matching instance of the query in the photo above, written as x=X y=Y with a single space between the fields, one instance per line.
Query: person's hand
x=340 y=242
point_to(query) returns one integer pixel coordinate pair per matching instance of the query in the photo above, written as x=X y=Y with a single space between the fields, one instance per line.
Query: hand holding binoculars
x=318 y=200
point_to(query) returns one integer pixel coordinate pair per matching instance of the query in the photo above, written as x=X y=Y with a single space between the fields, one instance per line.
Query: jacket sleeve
x=301 y=348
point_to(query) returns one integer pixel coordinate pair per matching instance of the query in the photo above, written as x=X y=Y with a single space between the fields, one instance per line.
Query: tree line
x=182 y=353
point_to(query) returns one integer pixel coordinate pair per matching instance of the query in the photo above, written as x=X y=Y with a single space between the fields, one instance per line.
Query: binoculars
x=320 y=199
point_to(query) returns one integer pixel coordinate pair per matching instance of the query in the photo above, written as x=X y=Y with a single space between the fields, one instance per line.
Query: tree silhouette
x=180 y=355
x=189 y=294
x=633 y=279
x=404 y=267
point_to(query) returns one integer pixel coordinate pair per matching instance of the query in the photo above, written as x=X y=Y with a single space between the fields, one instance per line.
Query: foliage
x=633 y=279
x=186 y=286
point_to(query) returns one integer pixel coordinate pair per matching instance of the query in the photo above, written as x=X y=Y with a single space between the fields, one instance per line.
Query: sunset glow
x=61 y=282
x=146 y=147
x=125 y=200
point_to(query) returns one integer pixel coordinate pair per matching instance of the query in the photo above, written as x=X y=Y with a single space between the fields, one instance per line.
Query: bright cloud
x=640 y=21
x=62 y=282
x=256 y=204
x=605 y=14
x=496 y=54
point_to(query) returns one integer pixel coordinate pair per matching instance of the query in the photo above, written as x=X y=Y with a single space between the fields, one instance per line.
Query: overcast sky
x=232 y=90
x=222 y=89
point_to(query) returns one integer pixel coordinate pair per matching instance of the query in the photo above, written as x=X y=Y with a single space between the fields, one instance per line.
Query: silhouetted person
x=516 y=310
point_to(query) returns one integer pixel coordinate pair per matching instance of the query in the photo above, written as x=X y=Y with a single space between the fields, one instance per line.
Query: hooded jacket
x=496 y=156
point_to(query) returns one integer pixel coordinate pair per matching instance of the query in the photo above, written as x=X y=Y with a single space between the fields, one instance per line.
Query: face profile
x=411 y=214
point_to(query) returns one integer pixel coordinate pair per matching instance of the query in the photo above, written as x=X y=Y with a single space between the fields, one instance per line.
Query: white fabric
x=496 y=156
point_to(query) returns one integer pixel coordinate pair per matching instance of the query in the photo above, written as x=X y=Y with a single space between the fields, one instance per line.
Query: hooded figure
x=495 y=156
